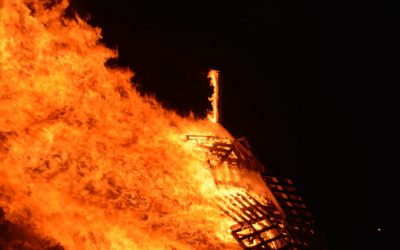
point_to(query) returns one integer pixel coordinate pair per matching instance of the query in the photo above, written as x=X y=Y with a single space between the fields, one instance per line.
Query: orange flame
x=87 y=161
x=213 y=115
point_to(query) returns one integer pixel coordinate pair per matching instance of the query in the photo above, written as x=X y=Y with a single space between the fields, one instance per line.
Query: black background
x=309 y=84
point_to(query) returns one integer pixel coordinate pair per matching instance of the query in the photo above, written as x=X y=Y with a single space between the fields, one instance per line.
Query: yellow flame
x=213 y=114
x=87 y=161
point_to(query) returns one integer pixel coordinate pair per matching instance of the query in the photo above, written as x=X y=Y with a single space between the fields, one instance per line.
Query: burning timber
x=88 y=163
x=281 y=222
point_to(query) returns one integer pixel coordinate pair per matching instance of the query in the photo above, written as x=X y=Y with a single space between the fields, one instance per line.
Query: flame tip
x=213 y=114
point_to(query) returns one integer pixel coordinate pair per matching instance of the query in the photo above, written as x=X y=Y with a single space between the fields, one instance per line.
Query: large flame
x=87 y=161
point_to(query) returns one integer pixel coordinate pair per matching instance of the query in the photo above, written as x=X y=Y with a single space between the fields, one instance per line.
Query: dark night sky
x=309 y=84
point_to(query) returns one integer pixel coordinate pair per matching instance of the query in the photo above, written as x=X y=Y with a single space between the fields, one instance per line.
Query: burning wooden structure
x=87 y=162
x=281 y=222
